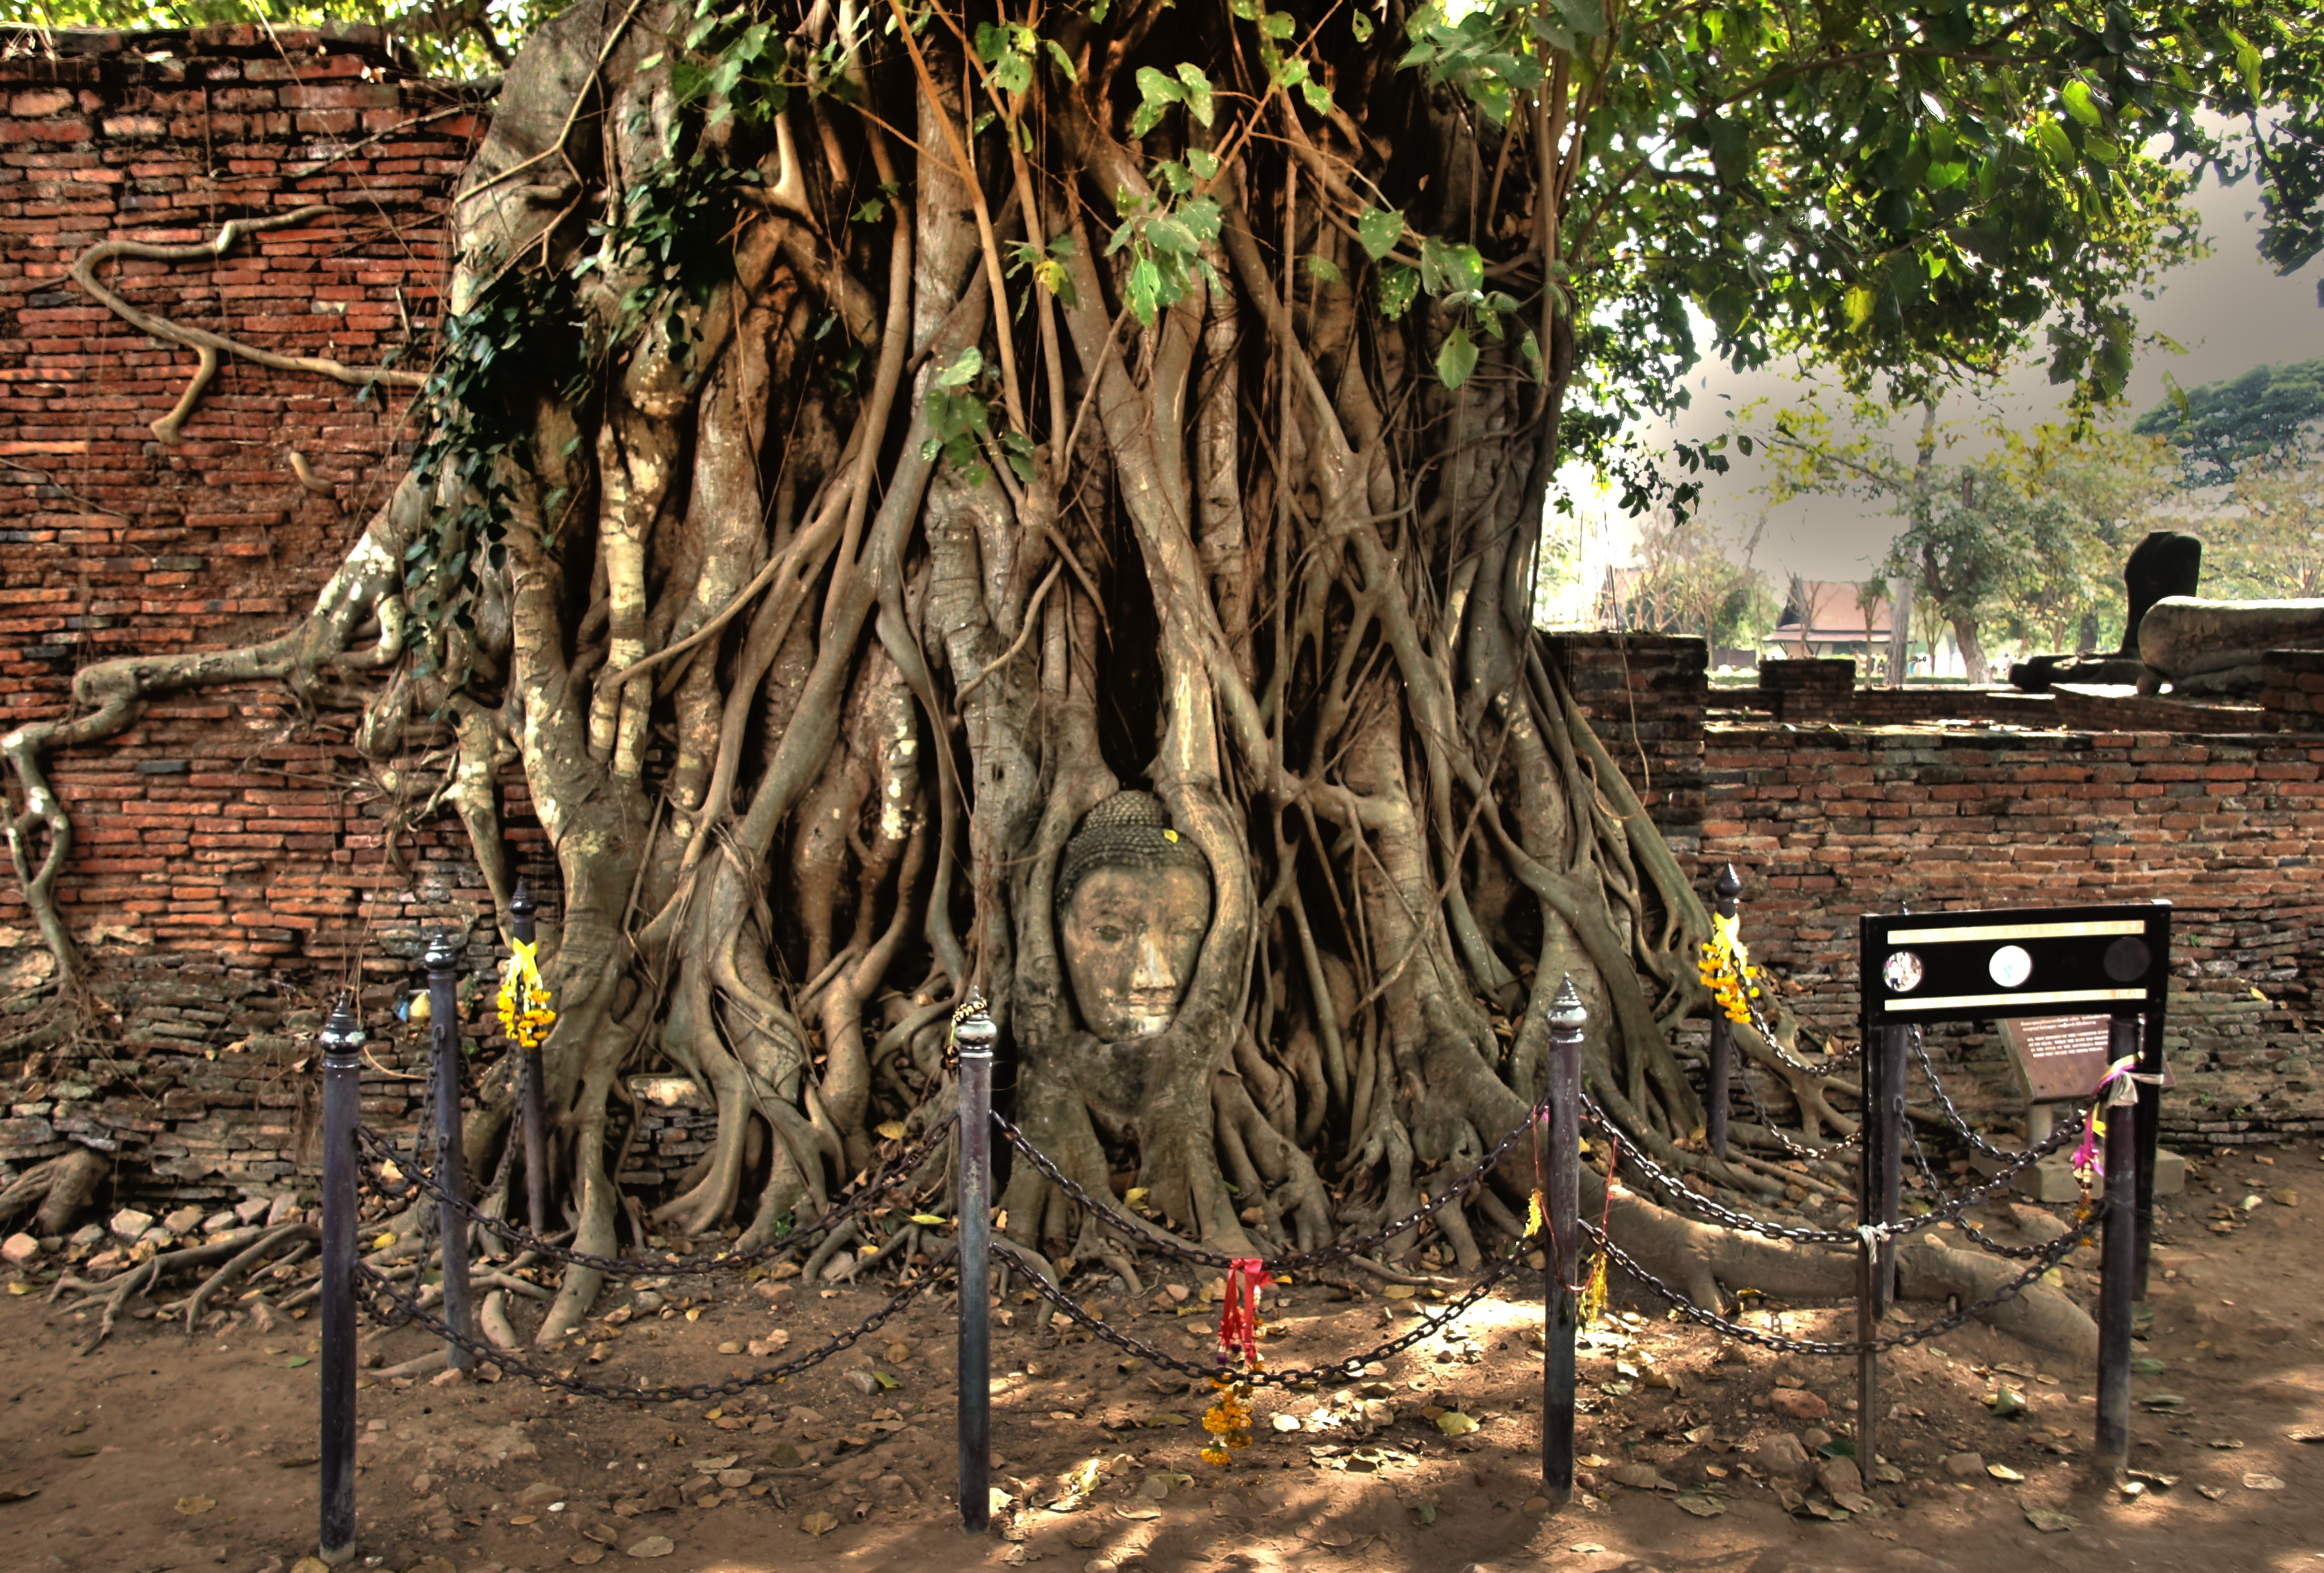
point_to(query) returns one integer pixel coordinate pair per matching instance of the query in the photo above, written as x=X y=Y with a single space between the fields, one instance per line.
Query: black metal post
x=2118 y=1263
x=1873 y=1072
x=1564 y=1205
x=343 y=1041
x=1724 y=892
x=1894 y=1044
x=451 y=1160
x=2150 y=1099
x=974 y=1037
x=521 y=908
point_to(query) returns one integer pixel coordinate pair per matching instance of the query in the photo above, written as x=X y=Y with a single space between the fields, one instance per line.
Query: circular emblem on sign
x=1902 y=972
x=2126 y=960
x=2010 y=966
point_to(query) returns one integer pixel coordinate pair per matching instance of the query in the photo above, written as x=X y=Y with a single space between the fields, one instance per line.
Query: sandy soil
x=157 y=1453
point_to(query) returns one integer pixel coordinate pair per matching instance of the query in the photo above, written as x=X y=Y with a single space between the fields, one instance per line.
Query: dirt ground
x=155 y=1453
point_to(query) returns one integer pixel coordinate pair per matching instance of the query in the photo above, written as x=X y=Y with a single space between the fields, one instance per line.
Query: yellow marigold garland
x=525 y=1015
x=1591 y=1292
x=1727 y=970
x=1228 y=1419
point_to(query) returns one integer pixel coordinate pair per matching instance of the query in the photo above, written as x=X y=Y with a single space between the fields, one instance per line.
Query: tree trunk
x=830 y=523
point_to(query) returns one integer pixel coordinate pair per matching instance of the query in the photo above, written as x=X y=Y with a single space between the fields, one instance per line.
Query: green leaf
x=1529 y=351
x=1456 y=359
x=1379 y=228
x=1399 y=286
x=963 y=370
x=1449 y=269
x=1318 y=97
x=1361 y=25
x=1064 y=62
x=2080 y=103
x=2054 y=140
x=1586 y=17
x=1013 y=73
x=1142 y=290
x=1198 y=91
x=1857 y=303
x=1323 y=270
x=1203 y=162
x=1278 y=24
x=991 y=42
x=2247 y=62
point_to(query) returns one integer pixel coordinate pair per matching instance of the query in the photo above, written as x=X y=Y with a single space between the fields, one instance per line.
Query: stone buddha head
x=1134 y=904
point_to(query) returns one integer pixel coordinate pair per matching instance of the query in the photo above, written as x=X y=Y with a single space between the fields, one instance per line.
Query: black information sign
x=2020 y=962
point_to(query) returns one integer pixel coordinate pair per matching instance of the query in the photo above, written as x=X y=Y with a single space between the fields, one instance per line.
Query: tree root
x=257 y=1250
x=210 y=346
x=493 y=1319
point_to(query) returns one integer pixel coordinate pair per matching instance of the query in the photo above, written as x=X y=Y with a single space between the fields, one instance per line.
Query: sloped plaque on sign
x=2059 y=1058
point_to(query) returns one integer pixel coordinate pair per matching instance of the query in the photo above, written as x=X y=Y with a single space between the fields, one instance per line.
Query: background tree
x=864 y=438
x=2026 y=540
x=1688 y=582
x=2269 y=414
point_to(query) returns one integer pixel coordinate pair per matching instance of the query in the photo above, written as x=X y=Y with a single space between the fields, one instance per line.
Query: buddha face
x=1129 y=938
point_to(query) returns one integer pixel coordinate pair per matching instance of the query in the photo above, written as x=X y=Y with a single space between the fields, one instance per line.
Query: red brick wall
x=231 y=855
x=1829 y=824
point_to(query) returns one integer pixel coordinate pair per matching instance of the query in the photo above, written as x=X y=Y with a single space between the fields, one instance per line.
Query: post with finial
x=1563 y=1207
x=974 y=1034
x=343 y=1042
x=521 y=908
x=451 y=1162
x=1724 y=892
x=2117 y=1104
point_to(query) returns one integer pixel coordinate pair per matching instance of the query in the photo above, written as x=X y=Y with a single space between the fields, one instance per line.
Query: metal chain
x=1949 y=1212
x=1853 y=1138
x=1299 y=1262
x=1349 y=1369
x=1921 y=1160
x=422 y=1182
x=2049 y=1256
x=407 y=1309
x=1945 y=1101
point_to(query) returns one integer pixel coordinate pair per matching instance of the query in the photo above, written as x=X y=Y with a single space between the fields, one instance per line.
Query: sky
x=2229 y=312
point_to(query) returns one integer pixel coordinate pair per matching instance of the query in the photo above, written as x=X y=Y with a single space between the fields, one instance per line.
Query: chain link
x=1852 y=1140
x=1348 y=1370
x=1299 y=1262
x=1950 y=1210
x=423 y=1182
x=1945 y=1101
x=2057 y=1251
x=407 y=1309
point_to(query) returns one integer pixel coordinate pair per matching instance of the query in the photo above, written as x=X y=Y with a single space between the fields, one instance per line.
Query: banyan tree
x=1052 y=499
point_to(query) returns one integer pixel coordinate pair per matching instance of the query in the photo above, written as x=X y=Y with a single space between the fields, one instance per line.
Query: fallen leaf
x=1424 y=1512
x=652 y=1546
x=2005 y=1401
x=1453 y=1423
x=1587 y=1548
x=1703 y=1505
x=1137 y=1511
x=2051 y=1521
x=1856 y=1501
x=588 y=1556
x=2162 y=1401
x=1639 y=1477
x=1290 y=1423
x=2308 y=1434
x=818 y=1522
x=2212 y=1492
x=929 y=1220
x=310 y=1565
x=893 y=1130
x=604 y=1534
x=81 y=1450
x=2227 y=1444
x=293 y=1363
x=1399 y=1291
x=10 y=1494
x=190 y=1505
x=1838 y=1515
x=2002 y=1472
x=2146 y=1366
x=2256 y=1482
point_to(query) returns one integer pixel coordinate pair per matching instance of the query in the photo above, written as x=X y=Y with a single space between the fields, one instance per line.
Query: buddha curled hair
x=1129 y=829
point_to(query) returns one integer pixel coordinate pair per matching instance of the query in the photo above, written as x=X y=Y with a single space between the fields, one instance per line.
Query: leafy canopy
x=2269 y=413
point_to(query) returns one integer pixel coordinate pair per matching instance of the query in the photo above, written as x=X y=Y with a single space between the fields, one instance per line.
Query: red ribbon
x=1239 y=1315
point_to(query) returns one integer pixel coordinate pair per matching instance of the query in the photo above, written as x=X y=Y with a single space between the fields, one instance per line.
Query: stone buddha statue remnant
x=1133 y=902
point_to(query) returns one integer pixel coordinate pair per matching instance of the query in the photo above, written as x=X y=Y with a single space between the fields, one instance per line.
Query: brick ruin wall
x=233 y=860
x=1825 y=821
